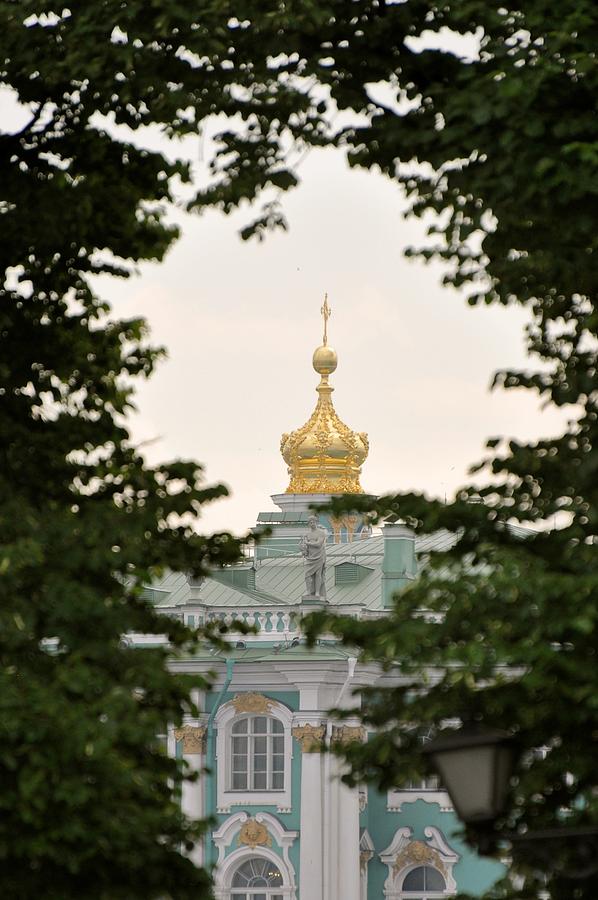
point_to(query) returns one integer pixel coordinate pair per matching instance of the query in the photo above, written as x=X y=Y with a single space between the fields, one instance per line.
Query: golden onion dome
x=324 y=456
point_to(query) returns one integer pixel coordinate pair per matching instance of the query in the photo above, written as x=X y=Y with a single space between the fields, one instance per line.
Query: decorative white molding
x=366 y=852
x=396 y=799
x=404 y=854
x=399 y=842
x=363 y=797
x=225 y=717
x=226 y=866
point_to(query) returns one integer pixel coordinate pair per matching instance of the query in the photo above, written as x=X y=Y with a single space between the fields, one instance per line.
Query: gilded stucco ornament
x=348 y=734
x=324 y=456
x=310 y=737
x=192 y=737
x=251 y=702
x=421 y=853
x=254 y=834
x=364 y=858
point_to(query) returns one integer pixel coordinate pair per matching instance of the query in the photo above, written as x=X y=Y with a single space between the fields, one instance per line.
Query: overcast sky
x=241 y=321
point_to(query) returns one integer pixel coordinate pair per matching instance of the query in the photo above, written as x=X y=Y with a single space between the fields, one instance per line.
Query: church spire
x=324 y=456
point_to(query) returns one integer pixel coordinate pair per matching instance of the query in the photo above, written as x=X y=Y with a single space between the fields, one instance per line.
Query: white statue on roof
x=313 y=548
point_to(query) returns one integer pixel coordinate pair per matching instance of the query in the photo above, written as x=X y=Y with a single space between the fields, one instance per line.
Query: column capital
x=348 y=734
x=310 y=737
x=192 y=737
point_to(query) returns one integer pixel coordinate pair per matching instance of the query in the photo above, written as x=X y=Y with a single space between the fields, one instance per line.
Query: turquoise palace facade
x=286 y=827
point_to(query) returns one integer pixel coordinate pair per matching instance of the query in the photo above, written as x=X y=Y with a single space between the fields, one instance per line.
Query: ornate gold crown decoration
x=251 y=702
x=324 y=456
x=254 y=834
x=418 y=852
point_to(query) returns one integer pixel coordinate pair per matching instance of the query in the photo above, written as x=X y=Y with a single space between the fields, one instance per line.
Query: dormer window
x=350 y=573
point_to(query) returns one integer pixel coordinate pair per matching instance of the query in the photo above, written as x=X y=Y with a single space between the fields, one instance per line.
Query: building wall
x=415 y=825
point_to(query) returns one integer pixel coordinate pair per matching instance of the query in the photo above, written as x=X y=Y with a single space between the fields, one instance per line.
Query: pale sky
x=241 y=321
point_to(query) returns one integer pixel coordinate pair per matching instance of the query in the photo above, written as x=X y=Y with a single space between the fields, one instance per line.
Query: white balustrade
x=271 y=622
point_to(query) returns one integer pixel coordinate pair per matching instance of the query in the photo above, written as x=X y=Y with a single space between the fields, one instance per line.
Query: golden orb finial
x=324 y=456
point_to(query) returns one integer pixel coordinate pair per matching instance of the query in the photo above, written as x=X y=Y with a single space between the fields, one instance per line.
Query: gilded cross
x=326 y=313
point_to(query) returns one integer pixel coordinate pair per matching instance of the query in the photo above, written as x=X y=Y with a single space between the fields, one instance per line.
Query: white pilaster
x=344 y=825
x=192 y=801
x=348 y=843
x=192 y=793
x=311 y=856
x=311 y=862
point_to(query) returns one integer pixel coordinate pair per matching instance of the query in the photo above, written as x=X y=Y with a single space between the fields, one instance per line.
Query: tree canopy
x=486 y=114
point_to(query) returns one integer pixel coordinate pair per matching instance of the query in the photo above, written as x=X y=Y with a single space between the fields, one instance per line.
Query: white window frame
x=228 y=862
x=249 y=737
x=250 y=891
x=436 y=842
x=226 y=797
x=421 y=895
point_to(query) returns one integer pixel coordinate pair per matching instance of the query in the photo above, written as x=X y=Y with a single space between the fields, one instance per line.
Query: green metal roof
x=280 y=518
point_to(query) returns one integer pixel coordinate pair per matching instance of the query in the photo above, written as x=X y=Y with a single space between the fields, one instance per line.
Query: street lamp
x=475 y=765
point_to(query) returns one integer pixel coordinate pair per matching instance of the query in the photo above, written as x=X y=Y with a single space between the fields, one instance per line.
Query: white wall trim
x=396 y=799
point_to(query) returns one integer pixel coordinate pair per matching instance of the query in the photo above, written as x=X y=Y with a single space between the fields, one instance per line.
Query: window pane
x=415 y=880
x=434 y=880
x=424 y=878
x=257 y=754
x=257 y=872
x=259 y=744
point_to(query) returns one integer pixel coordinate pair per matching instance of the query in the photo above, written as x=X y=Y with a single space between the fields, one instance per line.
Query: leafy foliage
x=498 y=630
x=501 y=145
x=89 y=802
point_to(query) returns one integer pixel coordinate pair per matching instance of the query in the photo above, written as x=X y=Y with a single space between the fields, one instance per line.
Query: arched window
x=254 y=749
x=257 y=754
x=257 y=879
x=423 y=883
